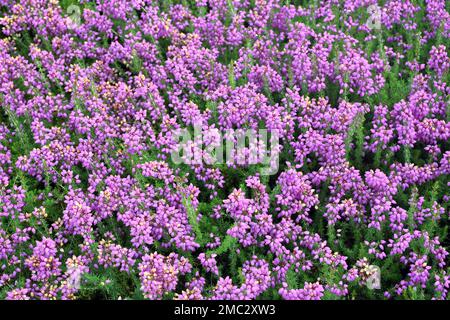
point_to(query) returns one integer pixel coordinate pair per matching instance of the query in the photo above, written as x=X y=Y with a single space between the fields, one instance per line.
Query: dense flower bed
x=93 y=95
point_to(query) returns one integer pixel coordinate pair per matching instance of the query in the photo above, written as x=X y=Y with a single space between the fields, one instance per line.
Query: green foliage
x=193 y=217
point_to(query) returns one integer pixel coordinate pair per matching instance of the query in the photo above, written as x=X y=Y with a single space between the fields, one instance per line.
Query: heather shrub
x=226 y=149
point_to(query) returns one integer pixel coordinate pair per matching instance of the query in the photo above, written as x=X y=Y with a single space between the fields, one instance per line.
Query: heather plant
x=344 y=106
